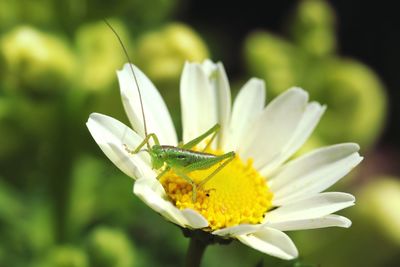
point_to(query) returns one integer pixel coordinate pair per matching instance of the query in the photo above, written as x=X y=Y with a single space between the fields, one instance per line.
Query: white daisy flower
x=259 y=194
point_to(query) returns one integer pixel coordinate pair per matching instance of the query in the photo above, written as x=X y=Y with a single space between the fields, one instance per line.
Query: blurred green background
x=62 y=203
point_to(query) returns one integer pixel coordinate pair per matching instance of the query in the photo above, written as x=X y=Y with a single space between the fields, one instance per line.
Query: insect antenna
x=134 y=76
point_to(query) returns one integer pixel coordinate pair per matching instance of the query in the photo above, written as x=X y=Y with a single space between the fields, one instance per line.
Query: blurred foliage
x=108 y=247
x=68 y=15
x=63 y=204
x=65 y=256
x=354 y=94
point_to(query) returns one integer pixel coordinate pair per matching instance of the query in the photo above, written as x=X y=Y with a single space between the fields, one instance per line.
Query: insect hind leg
x=229 y=157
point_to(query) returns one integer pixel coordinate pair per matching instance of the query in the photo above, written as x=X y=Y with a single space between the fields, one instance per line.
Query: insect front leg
x=213 y=130
x=144 y=142
x=190 y=181
x=161 y=174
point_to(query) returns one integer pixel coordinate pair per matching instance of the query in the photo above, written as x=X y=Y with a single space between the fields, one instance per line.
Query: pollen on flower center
x=237 y=194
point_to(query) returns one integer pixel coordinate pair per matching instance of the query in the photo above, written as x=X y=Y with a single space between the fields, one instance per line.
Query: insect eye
x=181 y=157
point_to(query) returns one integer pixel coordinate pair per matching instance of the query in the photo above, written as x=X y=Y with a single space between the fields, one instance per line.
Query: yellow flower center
x=237 y=194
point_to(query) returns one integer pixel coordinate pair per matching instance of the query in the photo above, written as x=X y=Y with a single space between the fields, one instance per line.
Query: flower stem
x=195 y=252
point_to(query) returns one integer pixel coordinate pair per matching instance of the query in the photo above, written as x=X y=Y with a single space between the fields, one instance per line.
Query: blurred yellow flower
x=36 y=61
x=162 y=53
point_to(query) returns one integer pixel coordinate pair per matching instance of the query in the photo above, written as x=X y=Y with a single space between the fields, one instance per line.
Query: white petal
x=315 y=206
x=241 y=229
x=158 y=119
x=313 y=172
x=331 y=220
x=152 y=193
x=208 y=67
x=272 y=242
x=198 y=103
x=222 y=93
x=275 y=127
x=248 y=105
x=307 y=124
x=194 y=219
x=111 y=135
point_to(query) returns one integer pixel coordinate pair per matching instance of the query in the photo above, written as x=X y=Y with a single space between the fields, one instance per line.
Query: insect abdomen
x=178 y=157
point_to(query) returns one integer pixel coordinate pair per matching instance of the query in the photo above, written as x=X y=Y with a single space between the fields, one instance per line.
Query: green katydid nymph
x=181 y=159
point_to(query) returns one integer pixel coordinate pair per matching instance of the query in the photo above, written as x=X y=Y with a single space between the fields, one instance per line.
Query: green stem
x=195 y=252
